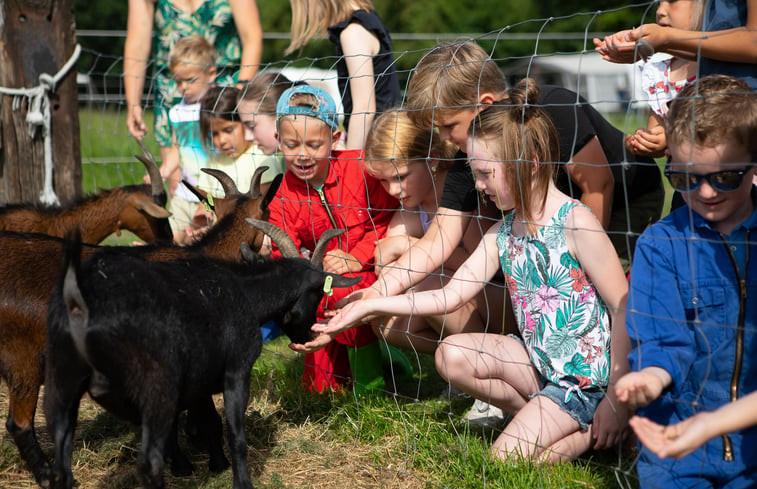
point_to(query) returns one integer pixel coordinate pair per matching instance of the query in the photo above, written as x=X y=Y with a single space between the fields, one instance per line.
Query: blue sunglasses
x=722 y=181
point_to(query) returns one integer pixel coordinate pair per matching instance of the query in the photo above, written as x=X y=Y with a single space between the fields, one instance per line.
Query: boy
x=324 y=188
x=692 y=303
x=192 y=64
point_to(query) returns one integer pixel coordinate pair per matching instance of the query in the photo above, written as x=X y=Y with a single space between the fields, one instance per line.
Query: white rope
x=38 y=116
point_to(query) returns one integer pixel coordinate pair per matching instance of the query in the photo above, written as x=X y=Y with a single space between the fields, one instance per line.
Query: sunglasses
x=722 y=181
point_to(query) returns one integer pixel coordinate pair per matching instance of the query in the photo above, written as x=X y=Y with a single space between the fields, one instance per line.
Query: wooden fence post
x=36 y=37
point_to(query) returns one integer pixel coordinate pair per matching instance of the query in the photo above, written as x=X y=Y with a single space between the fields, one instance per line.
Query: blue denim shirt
x=683 y=316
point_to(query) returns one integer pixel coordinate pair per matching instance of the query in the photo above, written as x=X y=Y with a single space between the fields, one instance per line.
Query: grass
x=412 y=440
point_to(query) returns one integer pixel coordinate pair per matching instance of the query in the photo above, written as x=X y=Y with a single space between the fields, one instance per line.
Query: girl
x=224 y=138
x=411 y=163
x=257 y=109
x=553 y=380
x=663 y=76
x=367 y=78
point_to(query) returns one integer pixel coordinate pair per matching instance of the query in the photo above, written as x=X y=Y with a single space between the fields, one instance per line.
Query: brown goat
x=137 y=208
x=30 y=269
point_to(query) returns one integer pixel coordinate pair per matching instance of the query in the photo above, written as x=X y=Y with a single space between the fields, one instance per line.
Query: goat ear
x=200 y=194
x=271 y=193
x=151 y=208
x=340 y=281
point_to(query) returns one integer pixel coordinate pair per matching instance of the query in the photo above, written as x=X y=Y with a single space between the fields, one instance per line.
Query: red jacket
x=357 y=202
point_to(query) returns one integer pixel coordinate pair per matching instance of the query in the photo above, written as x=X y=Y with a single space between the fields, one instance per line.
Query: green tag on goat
x=209 y=203
x=327 y=286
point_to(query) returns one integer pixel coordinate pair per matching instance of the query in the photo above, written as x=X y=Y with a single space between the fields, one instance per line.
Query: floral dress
x=657 y=85
x=563 y=321
x=214 y=20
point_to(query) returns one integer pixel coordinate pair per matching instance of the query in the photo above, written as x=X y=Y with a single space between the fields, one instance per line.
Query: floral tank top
x=563 y=321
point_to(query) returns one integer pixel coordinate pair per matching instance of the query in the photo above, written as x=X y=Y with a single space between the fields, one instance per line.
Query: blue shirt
x=684 y=316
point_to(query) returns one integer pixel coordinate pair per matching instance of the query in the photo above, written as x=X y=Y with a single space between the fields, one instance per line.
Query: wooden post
x=36 y=37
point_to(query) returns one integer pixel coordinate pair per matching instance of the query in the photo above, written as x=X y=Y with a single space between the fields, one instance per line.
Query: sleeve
x=656 y=320
x=459 y=187
x=283 y=215
x=381 y=209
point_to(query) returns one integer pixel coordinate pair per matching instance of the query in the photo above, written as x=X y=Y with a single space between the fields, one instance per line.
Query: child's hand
x=340 y=262
x=610 y=422
x=676 y=440
x=650 y=142
x=315 y=344
x=344 y=319
x=616 y=48
x=200 y=225
x=638 y=389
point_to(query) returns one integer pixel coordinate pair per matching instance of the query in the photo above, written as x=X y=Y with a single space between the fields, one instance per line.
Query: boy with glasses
x=692 y=306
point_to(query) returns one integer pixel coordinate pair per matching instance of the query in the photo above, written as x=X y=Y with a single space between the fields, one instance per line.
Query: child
x=367 y=76
x=692 y=308
x=566 y=284
x=257 y=109
x=223 y=132
x=328 y=189
x=411 y=162
x=192 y=66
x=663 y=76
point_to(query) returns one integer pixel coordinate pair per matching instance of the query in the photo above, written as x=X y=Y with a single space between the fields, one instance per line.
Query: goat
x=137 y=208
x=120 y=318
x=30 y=268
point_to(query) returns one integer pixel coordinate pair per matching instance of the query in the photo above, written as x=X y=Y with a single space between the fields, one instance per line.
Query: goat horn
x=341 y=281
x=229 y=187
x=320 y=248
x=283 y=241
x=156 y=180
x=247 y=254
x=200 y=194
x=254 y=191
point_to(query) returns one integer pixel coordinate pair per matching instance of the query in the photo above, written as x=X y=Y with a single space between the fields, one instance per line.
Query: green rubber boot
x=396 y=362
x=367 y=374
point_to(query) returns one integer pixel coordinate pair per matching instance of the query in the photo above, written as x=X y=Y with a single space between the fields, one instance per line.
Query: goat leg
x=150 y=463
x=205 y=429
x=180 y=464
x=236 y=394
x=30 y=451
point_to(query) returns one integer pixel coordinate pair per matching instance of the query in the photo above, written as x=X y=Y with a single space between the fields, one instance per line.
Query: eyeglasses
x=722 y=181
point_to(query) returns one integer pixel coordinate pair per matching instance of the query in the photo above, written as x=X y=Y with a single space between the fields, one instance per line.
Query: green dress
x=214 y=20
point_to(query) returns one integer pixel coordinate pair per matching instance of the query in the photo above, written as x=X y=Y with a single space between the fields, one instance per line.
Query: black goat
x=29 y=267
x=148 y=340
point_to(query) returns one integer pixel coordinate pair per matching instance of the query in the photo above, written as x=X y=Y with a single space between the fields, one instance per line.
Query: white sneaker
x=484 y=415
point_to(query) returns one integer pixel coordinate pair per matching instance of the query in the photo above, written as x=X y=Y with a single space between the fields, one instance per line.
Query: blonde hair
x=312 y=17
x=266 y=88
x=394 y=139
x=192 y=50
x=715 y=109
x=449 y=78
x=525 y=140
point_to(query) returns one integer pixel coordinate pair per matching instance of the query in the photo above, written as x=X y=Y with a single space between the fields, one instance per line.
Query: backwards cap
x=324 y=109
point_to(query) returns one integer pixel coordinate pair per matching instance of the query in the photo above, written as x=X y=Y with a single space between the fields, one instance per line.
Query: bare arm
x=596 y=254
x=590 y=171
x=136 y=54
x=359 y=46
x=247 y=21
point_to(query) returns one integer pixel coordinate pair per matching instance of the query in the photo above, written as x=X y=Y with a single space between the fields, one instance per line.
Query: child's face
x=724 y=210
x=453 y=126
x=489 y=173
x=306 y=144
x=412 y=183
x=228 y=137
x=192 y=80
x=258 y=128
x=676 y=13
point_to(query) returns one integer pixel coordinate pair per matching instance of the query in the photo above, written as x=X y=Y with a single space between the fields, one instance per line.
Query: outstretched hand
x=677 y=440
x=638 y=389
x=628 y=46
x=315 y=344
x=350 y=315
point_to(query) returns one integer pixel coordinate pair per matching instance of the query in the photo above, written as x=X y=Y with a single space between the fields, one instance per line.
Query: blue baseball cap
x=324 y=109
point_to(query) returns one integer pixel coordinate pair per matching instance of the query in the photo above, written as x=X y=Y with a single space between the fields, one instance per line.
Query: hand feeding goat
x=30 y=268
x=118 y=328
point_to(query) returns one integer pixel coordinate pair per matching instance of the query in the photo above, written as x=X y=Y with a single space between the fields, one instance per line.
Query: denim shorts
x=581 y=407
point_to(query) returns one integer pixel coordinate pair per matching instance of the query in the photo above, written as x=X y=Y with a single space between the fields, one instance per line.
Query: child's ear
x=486 y=98
x=336 y=136
x=212 y=73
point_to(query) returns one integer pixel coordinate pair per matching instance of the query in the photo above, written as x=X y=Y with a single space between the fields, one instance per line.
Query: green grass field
x=411 y=439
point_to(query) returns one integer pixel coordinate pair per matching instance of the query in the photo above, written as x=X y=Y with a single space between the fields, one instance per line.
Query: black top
x=386 y=85
x=577 y=122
